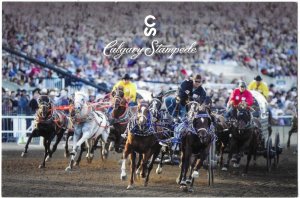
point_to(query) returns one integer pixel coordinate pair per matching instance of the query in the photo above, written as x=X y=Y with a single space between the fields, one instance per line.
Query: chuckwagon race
x=210 y=110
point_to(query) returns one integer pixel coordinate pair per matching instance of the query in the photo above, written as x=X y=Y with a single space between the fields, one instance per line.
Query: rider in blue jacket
x=189 y=90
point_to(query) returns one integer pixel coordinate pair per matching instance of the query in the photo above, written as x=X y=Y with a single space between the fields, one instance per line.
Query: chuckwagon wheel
x=269 y=153
x=211 y=164
x=278 y=149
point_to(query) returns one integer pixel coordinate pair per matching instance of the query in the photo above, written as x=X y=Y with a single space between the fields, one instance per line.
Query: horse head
x=80 y=101
x=118 y=97
x=45 y=107
x=143 y=113
x=155 y=106
x=199 y=117
x=243 y=116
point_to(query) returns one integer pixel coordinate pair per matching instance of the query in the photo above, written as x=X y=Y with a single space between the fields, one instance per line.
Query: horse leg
x=133 y=157
x=76 y=145
x=229 y=156
x=45 y=142
x=89 y=155
x=179 y=178
x=154 y=156
x=160 y=164
x=247 y=165
x=94 y=147
x=193 y=171
x=289 y=138
x=138 y=165
x=58 y=138
x=186 y=165
x=82 y=149
x=69 y=134
x=126 y=152
x=27 y=143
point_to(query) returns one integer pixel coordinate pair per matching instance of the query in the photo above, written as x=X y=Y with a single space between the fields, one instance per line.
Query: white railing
x=19 y=126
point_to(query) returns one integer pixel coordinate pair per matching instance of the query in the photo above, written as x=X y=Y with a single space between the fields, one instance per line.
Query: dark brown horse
x=195 y=143
x=244 y=137
x=48 y=124
x=143 y=140
x=120 y=117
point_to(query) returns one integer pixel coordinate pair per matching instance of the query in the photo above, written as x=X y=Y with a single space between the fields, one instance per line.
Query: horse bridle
x=155 y=106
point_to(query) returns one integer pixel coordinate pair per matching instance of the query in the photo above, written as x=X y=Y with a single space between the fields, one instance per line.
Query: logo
x=117 y=49
x=150 y=29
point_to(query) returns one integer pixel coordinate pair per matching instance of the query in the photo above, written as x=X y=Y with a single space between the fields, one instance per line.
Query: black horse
x=48 y=124
x=243 y=137
x=195 y=143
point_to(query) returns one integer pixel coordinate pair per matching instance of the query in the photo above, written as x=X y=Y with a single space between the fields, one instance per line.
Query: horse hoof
x=68 y=169
x=146 y=184
x=184 y=188
x=191 y=190
x=129 y=187
x=89 y=160
x=123 y=177
x=224 y=169
x=195 y=174
x=41 y=166
x=188 y=181
x=23 y=154
x=183 y=183
x=158 y=170
x=177 y=180
x=244 y=174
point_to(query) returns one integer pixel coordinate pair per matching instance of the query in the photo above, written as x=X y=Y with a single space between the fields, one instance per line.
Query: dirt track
x=21 y=177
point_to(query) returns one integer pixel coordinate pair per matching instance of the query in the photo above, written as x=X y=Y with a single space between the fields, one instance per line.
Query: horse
x=294 y=129
x=120 y=117
x=223 y=135
x=143 y=140
x=196 y=140
x=48 y=124
x=88 y=125
x=244 y=137
x=162 y=125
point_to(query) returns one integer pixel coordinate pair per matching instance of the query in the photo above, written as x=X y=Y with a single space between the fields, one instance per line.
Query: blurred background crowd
x=257 y=36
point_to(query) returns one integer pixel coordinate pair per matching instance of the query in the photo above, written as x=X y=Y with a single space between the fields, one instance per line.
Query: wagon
x=269 y=150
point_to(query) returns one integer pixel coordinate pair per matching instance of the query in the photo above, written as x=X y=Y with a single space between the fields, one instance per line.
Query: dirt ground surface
x=21 y=177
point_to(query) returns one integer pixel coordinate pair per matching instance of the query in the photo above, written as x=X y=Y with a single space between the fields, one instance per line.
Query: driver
x=238 y=95
x=190 y=89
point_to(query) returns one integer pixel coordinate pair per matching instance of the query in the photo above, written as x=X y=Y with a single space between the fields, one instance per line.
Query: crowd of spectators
x=261 y=36
x=72 y=36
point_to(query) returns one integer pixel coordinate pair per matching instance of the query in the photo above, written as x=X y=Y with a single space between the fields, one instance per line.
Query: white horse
x=88 y=124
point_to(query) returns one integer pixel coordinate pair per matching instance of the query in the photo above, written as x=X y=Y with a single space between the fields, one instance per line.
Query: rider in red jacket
x=240 y=94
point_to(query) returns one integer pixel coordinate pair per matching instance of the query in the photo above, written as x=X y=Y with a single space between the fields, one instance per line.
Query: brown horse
x=143 y=140
x=48 y=124
x=120 y=117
